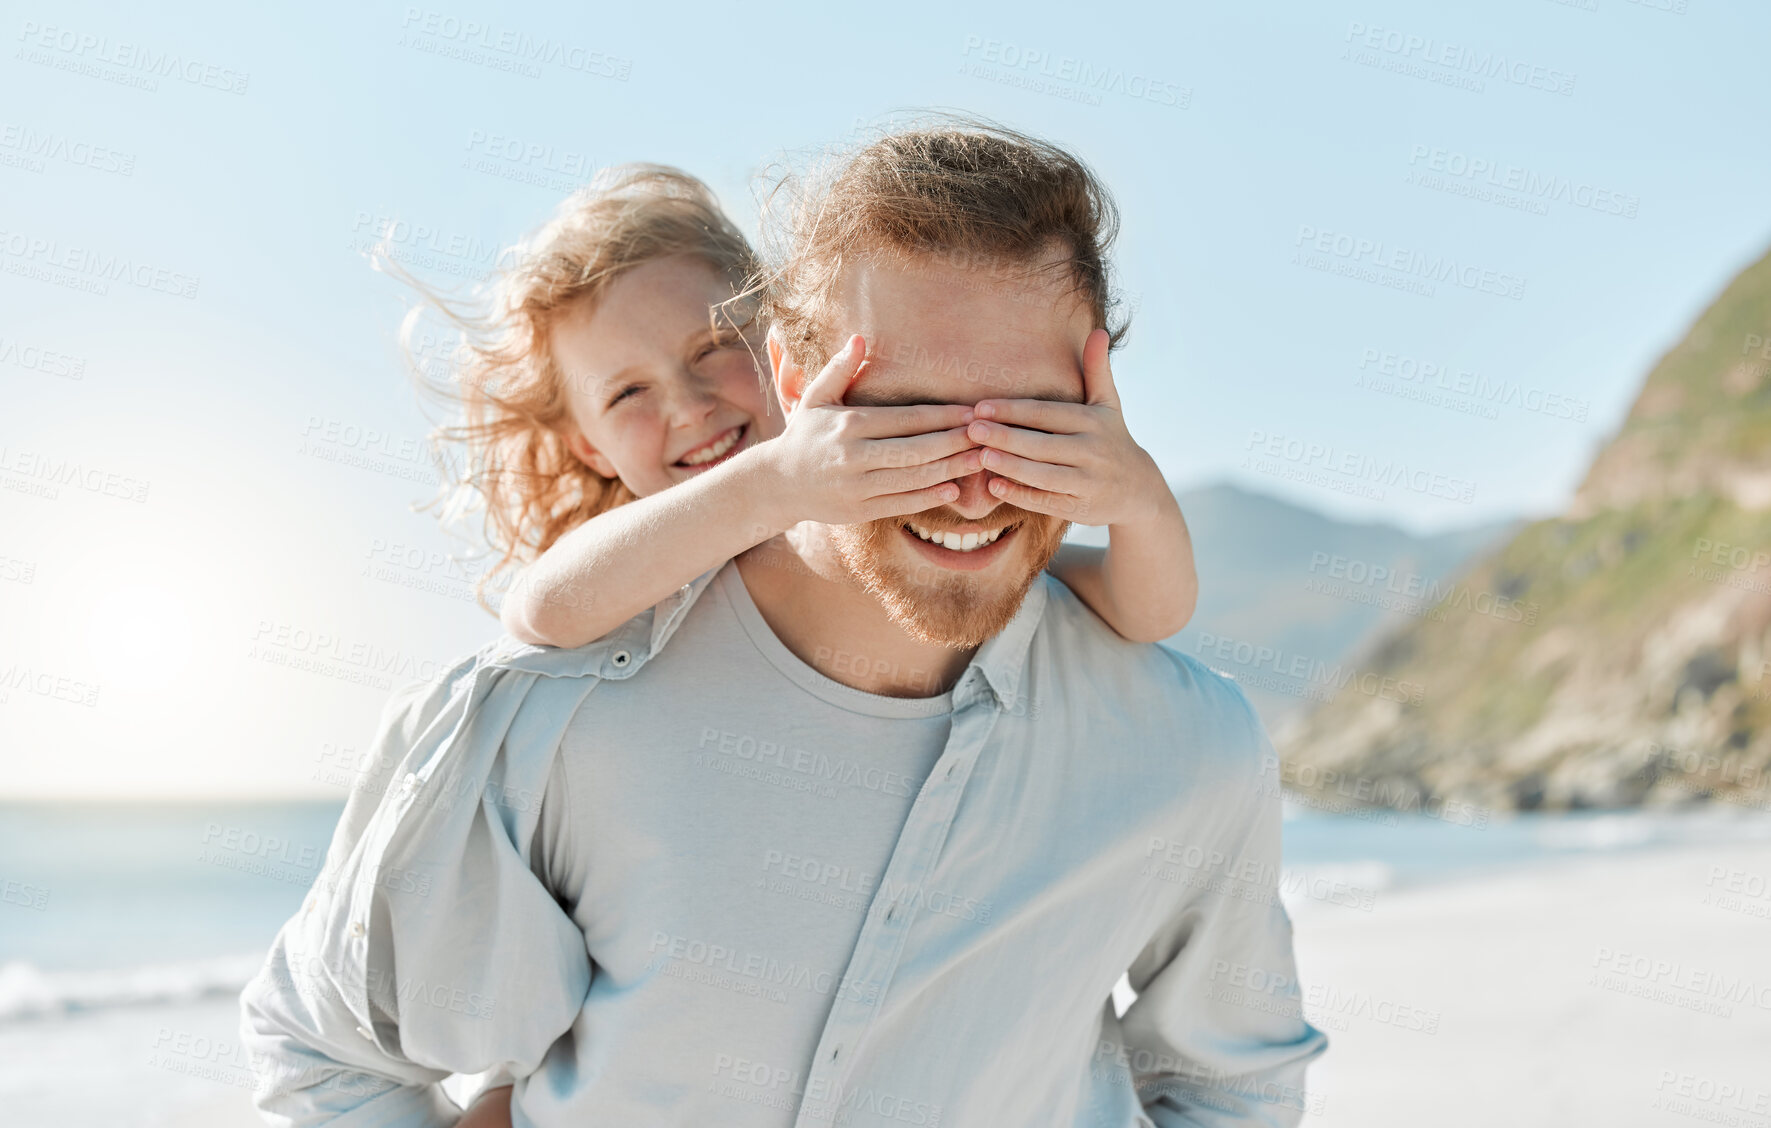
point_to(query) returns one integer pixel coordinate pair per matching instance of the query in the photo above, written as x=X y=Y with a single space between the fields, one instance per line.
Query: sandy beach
x=1627 y=989
x=129 y=1067
x=1621 y=987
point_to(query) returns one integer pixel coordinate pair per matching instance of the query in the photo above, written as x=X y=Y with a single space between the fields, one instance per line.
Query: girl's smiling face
x=655 y=395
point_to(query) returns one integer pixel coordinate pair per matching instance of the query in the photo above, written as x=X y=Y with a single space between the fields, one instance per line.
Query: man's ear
x=790 y=378
x=587 y=454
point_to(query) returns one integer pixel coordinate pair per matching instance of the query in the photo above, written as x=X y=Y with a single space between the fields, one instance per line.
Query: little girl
x=625 y=439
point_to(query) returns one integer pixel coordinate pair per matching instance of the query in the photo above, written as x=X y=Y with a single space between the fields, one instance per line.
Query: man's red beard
x=940 y=605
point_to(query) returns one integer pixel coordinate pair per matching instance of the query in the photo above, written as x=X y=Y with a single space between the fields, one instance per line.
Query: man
x=873 y=838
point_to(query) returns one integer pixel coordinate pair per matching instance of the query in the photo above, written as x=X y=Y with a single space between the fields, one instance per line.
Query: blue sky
x=1396 y=262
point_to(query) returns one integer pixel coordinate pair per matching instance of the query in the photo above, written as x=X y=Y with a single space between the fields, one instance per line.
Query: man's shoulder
x=1191 y=675
x=617 y=654
x=1172 y=692
x=1070 y=627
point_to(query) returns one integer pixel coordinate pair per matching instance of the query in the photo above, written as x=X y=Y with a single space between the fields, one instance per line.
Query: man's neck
x=824 y=616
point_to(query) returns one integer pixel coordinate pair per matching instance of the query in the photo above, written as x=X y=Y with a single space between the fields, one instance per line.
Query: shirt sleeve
x=431 y=944
x=1216 y=1035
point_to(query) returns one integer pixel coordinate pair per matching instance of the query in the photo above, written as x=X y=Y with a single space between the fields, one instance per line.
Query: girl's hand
x=1071 y=460
x=842 y=465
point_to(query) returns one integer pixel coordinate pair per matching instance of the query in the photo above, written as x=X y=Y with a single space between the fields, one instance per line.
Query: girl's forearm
x=612 y=567
x=1150 y=577
x=1144 y=584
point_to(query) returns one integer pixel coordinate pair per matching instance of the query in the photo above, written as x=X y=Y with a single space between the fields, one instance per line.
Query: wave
x=29 y=992
x=1625 y=829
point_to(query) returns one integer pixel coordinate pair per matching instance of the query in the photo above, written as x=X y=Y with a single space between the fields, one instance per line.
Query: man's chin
x=959 y=602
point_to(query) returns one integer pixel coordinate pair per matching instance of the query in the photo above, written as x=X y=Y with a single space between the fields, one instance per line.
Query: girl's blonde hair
x=506 y=391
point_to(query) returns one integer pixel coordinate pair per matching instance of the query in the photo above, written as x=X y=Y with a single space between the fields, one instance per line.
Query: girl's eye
x=712 y=347
x=624 y=393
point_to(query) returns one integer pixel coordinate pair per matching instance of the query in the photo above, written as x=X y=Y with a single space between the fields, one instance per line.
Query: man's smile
x=959 y=549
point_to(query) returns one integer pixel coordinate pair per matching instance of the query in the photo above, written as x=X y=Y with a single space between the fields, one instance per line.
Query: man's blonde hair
x=956 y=191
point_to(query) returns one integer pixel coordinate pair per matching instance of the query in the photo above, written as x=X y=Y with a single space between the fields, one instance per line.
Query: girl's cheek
x=741 y=382
x=769 y=419
x=649 y=440
x=629 y=446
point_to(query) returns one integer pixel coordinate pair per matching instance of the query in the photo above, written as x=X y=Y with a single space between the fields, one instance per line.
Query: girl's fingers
x=912 y=419
x=832 y=383
x=1061 y=450
x=1097 y=374
x=917 y=449
x=1067 y=506
x=897 y=479
x=1056 y=416
x=1039 y=475
x=912 y=501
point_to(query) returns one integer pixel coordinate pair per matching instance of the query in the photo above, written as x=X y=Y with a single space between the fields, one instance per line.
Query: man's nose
x=975 y=499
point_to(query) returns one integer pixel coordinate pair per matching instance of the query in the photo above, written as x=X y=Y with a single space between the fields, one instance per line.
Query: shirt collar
x=615 y=655
x=1000 y=661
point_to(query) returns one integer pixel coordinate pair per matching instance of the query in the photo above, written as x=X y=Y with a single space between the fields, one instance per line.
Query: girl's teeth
x=710 y=453
x=957 y=542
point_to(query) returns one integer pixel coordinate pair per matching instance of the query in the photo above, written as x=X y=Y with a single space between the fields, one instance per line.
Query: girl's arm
x=1078 y=461
x=609 y=569
x=1143 y=584
x=832 y=463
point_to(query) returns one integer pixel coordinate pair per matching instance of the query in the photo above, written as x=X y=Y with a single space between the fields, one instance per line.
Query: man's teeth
x=958 y=542
x=708 y=454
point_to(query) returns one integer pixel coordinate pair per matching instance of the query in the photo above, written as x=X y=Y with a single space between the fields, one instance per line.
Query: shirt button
x=365 y=1033
x=836 y=1051
x=356 y=928
x=621 y=658
x=950 y=768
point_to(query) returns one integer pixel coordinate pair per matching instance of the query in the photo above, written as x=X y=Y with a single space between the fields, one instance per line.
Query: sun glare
x=139 y=635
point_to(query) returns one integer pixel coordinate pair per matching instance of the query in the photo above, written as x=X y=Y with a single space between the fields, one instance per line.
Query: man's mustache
x=942 y=519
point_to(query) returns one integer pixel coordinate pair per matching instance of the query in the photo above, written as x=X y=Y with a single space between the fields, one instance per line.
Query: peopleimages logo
x=1405 y=47
x=94 y=270
x=1355 y=466
x=451 y=35
x=1362 y=581
x=39 y=359
x=1475 y=389
x=1077 y=72
x=26 y=469
x=1302 y=667
x=1377 y=254
x=1530 y=183
x=34 y=148
x=67 y=49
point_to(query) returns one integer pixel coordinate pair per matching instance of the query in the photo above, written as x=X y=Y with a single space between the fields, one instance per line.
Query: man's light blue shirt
x=1093 y=808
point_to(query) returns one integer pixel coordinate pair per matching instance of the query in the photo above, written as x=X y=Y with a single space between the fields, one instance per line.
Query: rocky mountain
x=1616 y=655
x=1280 y=582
